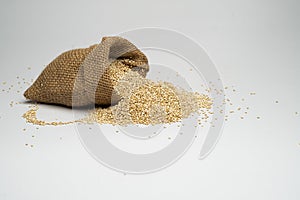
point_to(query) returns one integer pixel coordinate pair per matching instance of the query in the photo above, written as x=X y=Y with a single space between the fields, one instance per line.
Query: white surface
x=256 y=47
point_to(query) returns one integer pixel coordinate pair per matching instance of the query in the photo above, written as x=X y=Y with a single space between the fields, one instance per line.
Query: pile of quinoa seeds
x=143 y=101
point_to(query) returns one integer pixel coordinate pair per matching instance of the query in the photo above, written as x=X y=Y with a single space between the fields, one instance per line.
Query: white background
x=255 y=45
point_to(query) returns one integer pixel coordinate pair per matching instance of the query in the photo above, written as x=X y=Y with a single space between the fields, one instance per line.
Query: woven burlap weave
x=87 y=76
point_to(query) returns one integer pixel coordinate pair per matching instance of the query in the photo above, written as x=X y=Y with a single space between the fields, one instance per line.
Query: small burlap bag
x=87 y=76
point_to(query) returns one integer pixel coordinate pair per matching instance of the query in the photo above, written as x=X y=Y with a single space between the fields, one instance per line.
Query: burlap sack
x=87 y=76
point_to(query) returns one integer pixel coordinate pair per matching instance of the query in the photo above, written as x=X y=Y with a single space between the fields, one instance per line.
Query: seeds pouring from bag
x=112 y=74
